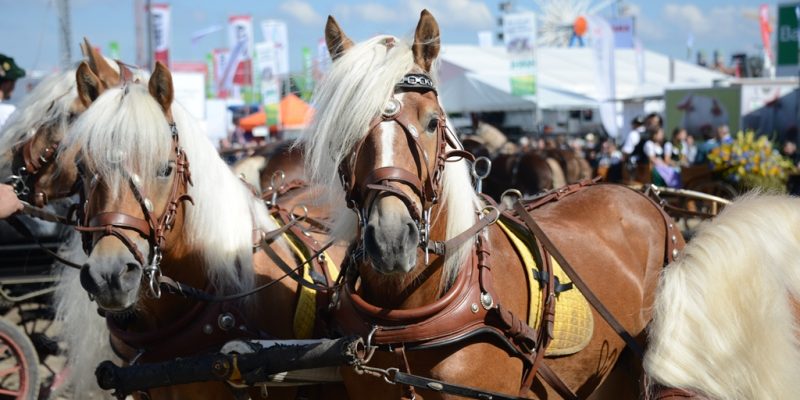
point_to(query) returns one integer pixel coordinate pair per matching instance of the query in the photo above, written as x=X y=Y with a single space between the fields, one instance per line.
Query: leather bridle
x=385 y=181
x=153 y=228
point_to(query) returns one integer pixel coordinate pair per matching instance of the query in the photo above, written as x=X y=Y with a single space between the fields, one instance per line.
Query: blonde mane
x=47 y=104
x=126 y=130
x=346 y=101
x=723 y=321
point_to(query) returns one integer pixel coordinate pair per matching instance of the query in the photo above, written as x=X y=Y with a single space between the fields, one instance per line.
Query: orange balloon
x=579 y=26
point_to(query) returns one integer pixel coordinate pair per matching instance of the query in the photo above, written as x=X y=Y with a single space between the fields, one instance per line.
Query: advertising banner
x=269 y=83
x=605 y=73
x=160 y=18
x=519 y=35
x=240 y=36
x=275 y=32
x=786 y=35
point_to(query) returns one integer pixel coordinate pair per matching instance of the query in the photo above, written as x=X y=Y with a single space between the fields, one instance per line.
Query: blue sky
x=30 y=28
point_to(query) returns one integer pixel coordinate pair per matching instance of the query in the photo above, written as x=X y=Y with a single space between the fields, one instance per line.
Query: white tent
x=477 y=78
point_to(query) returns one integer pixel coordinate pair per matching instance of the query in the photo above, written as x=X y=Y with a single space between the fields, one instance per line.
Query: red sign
x=766 y=29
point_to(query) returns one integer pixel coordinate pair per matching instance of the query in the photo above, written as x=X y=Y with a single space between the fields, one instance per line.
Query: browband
x=416 y=81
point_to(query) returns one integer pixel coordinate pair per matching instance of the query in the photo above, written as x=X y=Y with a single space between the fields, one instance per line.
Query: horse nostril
x=130 y=267
x=413 y=233
x=87 y=280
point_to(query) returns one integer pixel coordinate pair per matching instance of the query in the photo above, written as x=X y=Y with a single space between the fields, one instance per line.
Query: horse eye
x=433 y=124
x=165 y=170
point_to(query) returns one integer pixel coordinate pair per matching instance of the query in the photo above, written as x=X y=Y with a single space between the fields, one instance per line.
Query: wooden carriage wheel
x=19 y=364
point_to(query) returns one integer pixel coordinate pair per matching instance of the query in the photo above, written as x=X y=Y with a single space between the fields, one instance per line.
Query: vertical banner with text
x=220 y=58
x=519 y=35
x=160 y=18
x=275 y=32
x=269 y=82
x=240 y=35
x=605 y=72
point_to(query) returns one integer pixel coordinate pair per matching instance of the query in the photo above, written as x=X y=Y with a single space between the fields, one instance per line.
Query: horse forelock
x=125 y=132
x=723 y=320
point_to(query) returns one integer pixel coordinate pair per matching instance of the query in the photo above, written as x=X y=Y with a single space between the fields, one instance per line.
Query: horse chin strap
x=152 y=228
x=385 y=181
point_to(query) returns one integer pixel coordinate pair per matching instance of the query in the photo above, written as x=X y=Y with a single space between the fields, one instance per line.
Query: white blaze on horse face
x=387 y=143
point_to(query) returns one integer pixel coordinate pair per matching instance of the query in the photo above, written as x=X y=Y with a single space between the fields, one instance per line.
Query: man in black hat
x=9 y=73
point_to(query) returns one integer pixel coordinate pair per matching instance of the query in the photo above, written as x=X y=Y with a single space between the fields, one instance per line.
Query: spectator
x=662 y=173
x=722 y=135
x=691 y=149
x=9 y=73
x=633 y=139
x=676 y=150
x=609 y=163
x=789 y=150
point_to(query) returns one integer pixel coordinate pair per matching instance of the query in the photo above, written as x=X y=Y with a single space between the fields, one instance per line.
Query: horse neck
x=422 y=286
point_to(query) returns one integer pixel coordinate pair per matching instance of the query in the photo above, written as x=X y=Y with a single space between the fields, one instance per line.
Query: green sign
x=701 y=111
x=113 y=50
x=787 y=34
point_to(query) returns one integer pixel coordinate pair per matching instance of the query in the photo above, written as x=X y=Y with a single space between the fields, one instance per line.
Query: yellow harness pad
x=574 y=323
x=306 y=312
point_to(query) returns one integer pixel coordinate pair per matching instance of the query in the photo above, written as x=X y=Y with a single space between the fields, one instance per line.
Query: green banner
x=113 y=50
x=787 y=34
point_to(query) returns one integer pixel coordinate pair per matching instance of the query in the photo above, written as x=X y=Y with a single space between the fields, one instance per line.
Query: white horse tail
x=559 y=179
x=724 y=322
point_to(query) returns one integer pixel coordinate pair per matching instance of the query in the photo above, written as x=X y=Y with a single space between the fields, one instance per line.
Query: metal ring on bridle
x=512 y=195
x=281 y=179
x=391 y=108
x=298 y=217
x=475 y=172
x=487 y=210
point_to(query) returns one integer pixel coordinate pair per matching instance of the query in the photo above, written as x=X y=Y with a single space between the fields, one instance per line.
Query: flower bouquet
x=751 y=162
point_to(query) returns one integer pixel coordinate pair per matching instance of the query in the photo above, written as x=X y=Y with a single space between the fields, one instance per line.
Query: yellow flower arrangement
x=752 y=162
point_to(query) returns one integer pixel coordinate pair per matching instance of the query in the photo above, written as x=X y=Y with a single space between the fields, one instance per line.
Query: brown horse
x=159 y=200
x=31 y=141
x=530 y=172
x=381 y=128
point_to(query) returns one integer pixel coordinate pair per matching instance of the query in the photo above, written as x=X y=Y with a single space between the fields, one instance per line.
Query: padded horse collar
x=153 y=228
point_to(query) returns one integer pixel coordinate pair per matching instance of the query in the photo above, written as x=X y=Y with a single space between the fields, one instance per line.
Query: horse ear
x=160 y=86
x=426 y=41
x=335 y=38
x=89 y=85
x=108 y=76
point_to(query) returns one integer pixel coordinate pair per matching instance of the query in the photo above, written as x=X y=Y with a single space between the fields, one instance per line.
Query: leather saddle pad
x=574 y=323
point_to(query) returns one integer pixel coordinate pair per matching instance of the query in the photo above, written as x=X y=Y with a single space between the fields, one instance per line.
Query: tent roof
x=566 y=77
x=295 y=114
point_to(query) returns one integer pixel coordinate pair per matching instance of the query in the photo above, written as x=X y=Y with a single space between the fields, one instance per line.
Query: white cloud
x=470 y=14
x=687 y=16
x=372 y=12
x=302 y=11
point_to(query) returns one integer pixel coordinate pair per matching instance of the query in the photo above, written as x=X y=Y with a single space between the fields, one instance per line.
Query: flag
x=766 y=29
x=689 y=46
x=197 y=35
x=160 y=19
x=275 y=32
x=240 y=39
x=603 y=49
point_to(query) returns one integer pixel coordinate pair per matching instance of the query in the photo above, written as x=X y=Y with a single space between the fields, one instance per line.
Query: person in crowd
x=653 y=120
x=789 y=150
x=722 y=135
x=9 y=73
x=9 y=203
x=633 y=139
x=676 y=150
x=609 y=162
x=691 y=149
x=662 y=173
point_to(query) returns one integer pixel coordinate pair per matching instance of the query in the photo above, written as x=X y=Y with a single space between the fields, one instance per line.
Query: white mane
x=723 y=322
x=125 y=129
x=47 y=104
x=346 y=101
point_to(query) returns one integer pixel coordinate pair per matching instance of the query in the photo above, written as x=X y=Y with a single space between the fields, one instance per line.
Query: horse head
x=396 y=169
x=33 y=170
x=132 y=203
